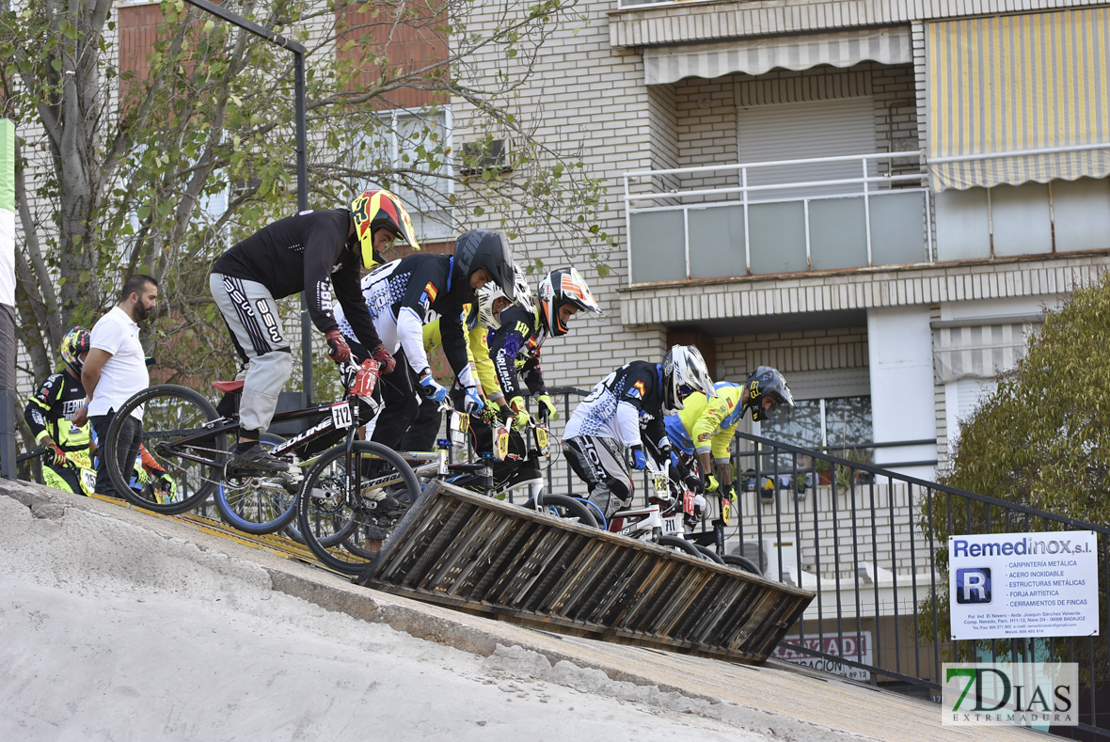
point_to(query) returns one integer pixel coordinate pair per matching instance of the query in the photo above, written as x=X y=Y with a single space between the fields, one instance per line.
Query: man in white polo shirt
x=115 y=370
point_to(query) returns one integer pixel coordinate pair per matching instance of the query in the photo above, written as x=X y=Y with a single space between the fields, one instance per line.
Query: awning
x=970 y=349
x=755 y=56
x=1019 y=84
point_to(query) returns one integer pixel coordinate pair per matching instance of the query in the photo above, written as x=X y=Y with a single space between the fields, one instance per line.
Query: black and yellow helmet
x=766 y=380
x=76 y=341
x=379 y=209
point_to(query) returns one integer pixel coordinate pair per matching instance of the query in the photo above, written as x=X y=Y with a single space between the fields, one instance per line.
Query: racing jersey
x=515 y=349
x=707 y=425
x=307 y=252
x=621 y=404
x=477 y=350
x=403 y=296
x=51 y=408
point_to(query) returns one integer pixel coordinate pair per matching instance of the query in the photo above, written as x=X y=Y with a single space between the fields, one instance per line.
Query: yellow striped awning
x=1005 y=89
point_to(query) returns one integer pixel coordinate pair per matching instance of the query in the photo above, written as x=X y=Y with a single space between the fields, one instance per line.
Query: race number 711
x=341 y=415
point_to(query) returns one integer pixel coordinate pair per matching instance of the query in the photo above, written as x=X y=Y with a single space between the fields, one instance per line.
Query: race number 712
x=341 y=415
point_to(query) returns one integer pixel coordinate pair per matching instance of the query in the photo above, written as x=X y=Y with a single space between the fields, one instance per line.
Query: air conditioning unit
x=484 y=155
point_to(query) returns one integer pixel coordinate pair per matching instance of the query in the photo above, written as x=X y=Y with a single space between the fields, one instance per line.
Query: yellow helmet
x=379 y=209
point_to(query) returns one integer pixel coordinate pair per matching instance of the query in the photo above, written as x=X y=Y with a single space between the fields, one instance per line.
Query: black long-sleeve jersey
x=404 y=295
x=515 y=350
x=308 y=252
x=621 y=404
x=51 y=408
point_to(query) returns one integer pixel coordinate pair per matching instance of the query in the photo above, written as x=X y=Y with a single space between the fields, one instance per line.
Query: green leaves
x=197 y=150
x=1042 y=437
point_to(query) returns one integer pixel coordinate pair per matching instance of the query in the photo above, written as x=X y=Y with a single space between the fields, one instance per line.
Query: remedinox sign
x=1023 y=584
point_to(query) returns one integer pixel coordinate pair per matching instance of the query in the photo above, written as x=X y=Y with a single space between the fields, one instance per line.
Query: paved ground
x=115 y=624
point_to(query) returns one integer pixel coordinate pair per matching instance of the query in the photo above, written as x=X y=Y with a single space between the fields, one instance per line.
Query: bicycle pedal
x=292 y=480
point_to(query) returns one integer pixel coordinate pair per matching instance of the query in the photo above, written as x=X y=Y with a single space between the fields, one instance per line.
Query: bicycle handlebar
x=31 y=455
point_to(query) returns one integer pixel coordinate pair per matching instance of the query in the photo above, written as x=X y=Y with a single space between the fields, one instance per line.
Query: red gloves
x=59 y=455
x=384 y=359
x=338 y=349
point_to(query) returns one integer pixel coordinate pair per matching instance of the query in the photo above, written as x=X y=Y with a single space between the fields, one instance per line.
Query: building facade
x=879 y=198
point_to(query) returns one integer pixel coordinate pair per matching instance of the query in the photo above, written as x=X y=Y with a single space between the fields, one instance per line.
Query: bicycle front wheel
x=678 y=543
x=742 y=563
x=258 y=504
x=178 y=432
x=350 y=504
x=565 y=508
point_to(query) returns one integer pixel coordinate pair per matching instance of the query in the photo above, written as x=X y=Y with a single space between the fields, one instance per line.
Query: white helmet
x=491 y=292
x=559 y=287
x=684 y=373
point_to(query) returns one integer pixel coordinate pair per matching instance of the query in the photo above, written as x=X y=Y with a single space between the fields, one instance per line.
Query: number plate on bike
x=341 y=415
x=670 y=526
x=541 y=439
x=500 y=442
x=460 y=423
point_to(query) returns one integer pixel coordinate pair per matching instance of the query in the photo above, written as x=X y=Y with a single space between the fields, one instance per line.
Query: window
x=398 y=144
x=836 y=425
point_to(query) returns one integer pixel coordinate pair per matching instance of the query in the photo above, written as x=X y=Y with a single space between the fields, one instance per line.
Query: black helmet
x=766 y=380
x=684 y=373
x=481 y=248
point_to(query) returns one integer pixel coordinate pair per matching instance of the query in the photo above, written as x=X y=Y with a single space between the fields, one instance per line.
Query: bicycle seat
x=227 y=387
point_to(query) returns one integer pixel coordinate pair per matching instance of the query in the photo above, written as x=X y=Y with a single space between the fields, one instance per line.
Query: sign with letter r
x=973 y=585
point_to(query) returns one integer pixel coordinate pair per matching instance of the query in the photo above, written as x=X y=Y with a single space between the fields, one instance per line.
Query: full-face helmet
x=766 y=380
x=684 y=373
x=379 y=209
x=491 y=292
x=75 y=342
x=481 y=248
x=559 y=287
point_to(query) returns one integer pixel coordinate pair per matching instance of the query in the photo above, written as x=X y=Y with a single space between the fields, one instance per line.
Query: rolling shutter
x=793 y=131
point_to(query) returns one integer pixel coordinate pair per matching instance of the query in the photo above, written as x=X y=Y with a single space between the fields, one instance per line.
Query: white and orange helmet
x=564 y=286
x=377 y=209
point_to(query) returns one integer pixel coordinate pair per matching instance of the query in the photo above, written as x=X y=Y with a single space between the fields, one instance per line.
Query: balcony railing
x=759 y=219
x=848 y=213
x=626 y=4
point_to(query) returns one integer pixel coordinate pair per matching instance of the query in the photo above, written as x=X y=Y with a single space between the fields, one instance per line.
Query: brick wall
x=586 y=99
x=706 y=123
x=411 y=45
x=809 y=350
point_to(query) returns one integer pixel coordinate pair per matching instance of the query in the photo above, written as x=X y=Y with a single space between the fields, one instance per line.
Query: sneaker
x=256 y=459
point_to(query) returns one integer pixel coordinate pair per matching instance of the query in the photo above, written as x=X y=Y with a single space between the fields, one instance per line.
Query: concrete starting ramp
x=473 y=553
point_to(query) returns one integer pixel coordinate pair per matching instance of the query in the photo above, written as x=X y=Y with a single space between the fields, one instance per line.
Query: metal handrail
x=853 y=533
x=878 y=470
x=781 y=187
x=775 y=163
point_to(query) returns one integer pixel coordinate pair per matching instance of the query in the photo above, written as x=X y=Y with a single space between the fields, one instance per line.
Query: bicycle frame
x=649 y=523
x=340 y=416
x=436 y=462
